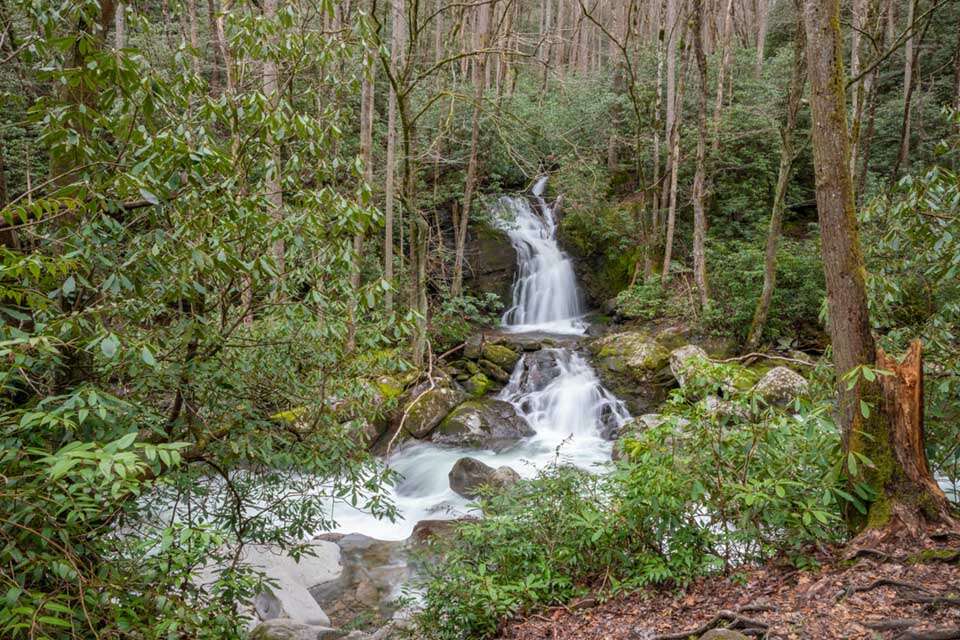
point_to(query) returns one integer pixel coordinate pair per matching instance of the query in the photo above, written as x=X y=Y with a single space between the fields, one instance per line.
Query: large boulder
x=484 y=423
x=500 y=355
x=685 y=361
x=468 y=475
x=632 y=364
x=491 y=261
x=424 y=412
x=781 y=386
x=286 y=629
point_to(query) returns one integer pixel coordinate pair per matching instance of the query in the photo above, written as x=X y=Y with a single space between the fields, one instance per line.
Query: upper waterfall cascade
x=545 y=293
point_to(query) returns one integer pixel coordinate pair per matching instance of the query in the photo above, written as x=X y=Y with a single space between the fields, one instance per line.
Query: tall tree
x=700 y=174
x=787 y=158
x=397 y=46
x=274 y=183
x=891 y=434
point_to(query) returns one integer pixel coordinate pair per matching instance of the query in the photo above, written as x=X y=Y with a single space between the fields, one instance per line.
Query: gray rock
x=291 y=598
x=494 y=370
x=286 y=629
x=484 y=423
x=425 y=413
x=633 y=365
x=373 y=573
x=684 y=362
x=491 y=261
x=469 y=474
x=781 y=385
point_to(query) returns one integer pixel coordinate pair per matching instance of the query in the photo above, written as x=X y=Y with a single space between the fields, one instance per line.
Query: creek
x=555 y=389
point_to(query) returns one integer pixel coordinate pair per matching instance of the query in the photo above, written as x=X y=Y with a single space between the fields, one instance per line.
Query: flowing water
x=555 y=390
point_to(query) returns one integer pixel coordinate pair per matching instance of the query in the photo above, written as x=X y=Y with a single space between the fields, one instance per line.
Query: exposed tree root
x=736 y=620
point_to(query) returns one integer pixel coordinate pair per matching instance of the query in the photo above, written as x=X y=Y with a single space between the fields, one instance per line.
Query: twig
x=768 y=357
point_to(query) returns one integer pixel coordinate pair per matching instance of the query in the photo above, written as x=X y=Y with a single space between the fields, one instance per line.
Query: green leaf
x=147 y=356
x=110 y=345
x=149 y=196
x=864 y=409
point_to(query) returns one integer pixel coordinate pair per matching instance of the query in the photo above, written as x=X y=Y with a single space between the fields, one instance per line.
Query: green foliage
x=707 y=488
x=458 y=318
x=150 y=332
x=644 y=300
x=737 y=279
x=914 y=265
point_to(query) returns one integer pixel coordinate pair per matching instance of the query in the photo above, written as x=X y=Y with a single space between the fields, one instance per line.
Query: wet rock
x=781 y=386
x=372 y=574
x=539 y=368
x=631 y=365
x=504 y=357
x=484 y=423
x=478 y=384
x=291 y=598
x=433 y=406
x=491 y=261
x=424 y=530
x=286 y=629
x=685 y=361
x=495 y=371
x=468 y=475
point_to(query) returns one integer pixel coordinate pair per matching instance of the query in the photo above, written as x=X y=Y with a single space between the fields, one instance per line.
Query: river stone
x=494 y=371
x=286 y=629
x=372 y=574
x=469 y=474
x=684 y=362
x=434 y=405
x=781 y=386
x=633 y=366
x=539 y=368
x=291 y=598
x=504 y=357
x=484 y=423
x=478 y=385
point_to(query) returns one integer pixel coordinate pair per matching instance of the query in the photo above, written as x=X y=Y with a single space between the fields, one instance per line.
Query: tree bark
x=700 y=175
x=397 y=39
x=273 y=179
x=900 y=497
x=761 y=36
x=909 y=62
x=673 y=172
x=725 y=56
x=787 y=157
x=479 y=81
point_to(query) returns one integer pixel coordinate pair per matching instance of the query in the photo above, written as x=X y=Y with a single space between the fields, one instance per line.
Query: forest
x=475 y=319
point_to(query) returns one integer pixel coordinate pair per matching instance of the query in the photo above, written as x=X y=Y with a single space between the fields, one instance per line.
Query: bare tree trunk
x=479 y=80
x=672 y=35
x=700 y=175
x=761 y=36
x=672 y=168
x=120 y=25
x=727 y=50
x=193 y=35
x=366 y=156
x=902 y=498
x=397 y=43
x=273 y=178
x=909 y=61
x=787 y=157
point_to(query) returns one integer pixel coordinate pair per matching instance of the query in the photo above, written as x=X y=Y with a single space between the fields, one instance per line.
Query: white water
x=545 y=295
x=555 y=390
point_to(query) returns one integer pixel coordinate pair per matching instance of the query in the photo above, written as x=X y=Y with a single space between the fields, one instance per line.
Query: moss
x=289 y=416
x=478 y=385
x=389 y=387
x=928 y=556
x=503 y=357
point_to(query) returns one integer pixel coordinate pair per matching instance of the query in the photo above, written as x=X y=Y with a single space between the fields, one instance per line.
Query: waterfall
x=554 y=389
x=545 y=294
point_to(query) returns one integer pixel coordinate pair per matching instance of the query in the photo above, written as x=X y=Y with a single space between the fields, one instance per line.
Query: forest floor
x=886 y=592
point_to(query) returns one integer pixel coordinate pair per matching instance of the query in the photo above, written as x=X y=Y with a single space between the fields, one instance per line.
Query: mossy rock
x=504 y=357
x=478 y=385
x=425 y=413
x=483 y=423
x=630 y=364
x=496 y=372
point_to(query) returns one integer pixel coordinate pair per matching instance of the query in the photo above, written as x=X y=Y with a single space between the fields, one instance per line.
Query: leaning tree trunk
x=794 y=95
x=905 y=494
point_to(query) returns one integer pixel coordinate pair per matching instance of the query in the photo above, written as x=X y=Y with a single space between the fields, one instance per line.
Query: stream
x=555 y=389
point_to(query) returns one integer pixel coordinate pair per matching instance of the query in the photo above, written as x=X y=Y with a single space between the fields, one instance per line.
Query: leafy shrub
x=704 y=490
x=644 y=300
x=736 y=281
x=458 y=317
